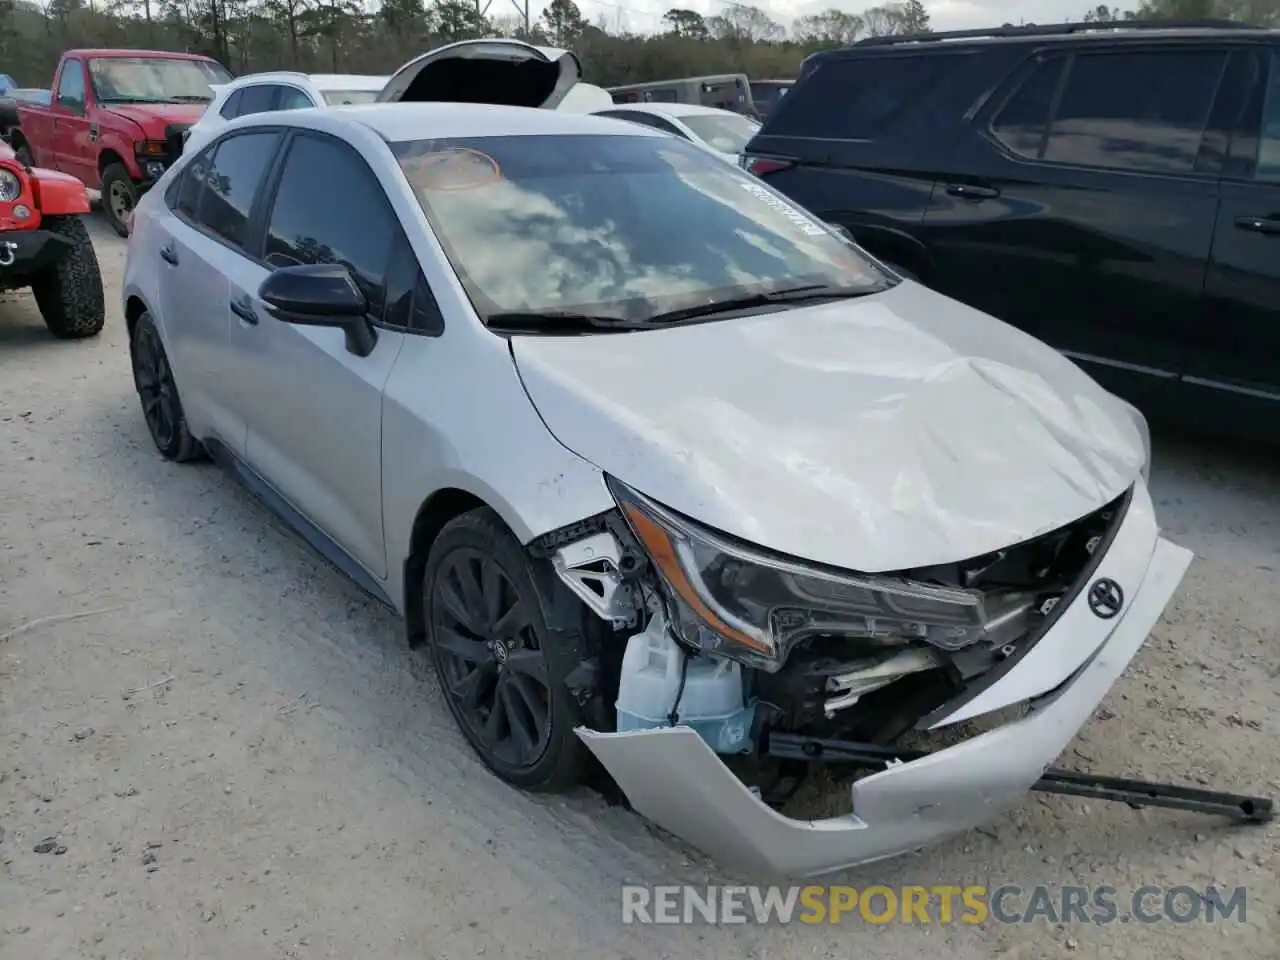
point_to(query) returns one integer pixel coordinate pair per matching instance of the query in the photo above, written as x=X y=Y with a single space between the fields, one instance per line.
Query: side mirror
x=843 y=231
x=320 y=295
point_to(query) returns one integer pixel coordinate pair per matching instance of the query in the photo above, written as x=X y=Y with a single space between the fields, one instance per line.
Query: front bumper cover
x=24 y=252
x=673 y=778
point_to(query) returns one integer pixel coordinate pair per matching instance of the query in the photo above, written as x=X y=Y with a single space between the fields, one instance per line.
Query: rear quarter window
x=858 y=98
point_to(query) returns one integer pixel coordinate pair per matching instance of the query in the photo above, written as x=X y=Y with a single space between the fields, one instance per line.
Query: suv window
x=239 y=164
x=258 y=98
x=360 y=233
x=71 y=84
x=1138 y=110
x=1268 y=167
x=1020 y=126
x=854 y=99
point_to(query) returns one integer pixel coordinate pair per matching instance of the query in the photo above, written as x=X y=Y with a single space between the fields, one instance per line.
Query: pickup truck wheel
x=69 y=291
x=119 y=195
x=161 y=405
x=495 y=655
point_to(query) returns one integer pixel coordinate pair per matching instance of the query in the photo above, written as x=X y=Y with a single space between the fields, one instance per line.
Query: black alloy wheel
x=489 y=643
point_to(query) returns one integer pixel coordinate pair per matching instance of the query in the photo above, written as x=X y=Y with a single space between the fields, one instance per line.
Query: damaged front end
x=727 y=646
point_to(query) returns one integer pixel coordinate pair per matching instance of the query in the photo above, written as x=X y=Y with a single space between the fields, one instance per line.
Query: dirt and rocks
x=213 y=746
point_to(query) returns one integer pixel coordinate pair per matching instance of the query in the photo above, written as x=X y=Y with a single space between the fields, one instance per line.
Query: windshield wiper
x=190 y=98
x=559 y=321
x=812 y=291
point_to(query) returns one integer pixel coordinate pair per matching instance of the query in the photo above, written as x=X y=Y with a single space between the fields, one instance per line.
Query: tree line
x=342 y=36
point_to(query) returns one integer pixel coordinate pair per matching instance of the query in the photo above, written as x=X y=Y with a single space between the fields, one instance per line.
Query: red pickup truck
x=115 y=120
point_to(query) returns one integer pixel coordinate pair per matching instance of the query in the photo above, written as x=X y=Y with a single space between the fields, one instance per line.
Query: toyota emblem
x=1105 y=598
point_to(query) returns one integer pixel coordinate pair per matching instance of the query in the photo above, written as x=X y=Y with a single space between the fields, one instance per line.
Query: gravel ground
x=235 y=756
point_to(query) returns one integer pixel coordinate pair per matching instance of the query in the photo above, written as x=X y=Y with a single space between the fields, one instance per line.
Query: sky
x=644 y=16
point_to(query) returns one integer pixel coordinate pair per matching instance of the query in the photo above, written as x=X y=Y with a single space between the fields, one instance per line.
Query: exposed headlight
x=10 y=186
x=734 y=600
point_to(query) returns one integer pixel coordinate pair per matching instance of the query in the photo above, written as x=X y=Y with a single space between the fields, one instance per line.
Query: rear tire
x=119 y=197
x=69 y=291
x=158 y=393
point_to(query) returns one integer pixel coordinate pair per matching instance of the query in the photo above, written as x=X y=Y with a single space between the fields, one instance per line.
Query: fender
x=120 y=135
x=58 y=194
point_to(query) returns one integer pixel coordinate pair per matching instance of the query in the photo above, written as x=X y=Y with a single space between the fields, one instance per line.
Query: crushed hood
x=154 y=117
x=891 y=432
x=508 y=72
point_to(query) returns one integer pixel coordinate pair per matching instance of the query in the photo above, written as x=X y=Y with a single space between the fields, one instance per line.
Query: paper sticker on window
x=457 y=168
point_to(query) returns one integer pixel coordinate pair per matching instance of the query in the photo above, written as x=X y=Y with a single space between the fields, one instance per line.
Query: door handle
x=168 y=254
x=1270 y=225
x=243 y=309
x=970 y=191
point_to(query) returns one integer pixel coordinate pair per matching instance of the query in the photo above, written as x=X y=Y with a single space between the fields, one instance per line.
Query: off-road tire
x=24 y=156
x=178 y=445
x=69 y=291
x=115 y=175
x=565 y=760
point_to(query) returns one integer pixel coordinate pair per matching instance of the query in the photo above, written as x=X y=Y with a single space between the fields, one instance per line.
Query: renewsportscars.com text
x=940 y=904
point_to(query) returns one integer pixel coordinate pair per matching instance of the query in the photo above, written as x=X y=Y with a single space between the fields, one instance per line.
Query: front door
x=74 y=137
x=313 y=407
x=1234 y=371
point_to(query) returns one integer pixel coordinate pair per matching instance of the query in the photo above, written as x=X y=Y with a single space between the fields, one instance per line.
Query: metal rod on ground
x=1135 y=793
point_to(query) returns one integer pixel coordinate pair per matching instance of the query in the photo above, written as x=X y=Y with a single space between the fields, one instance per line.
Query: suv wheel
x=69 y=291
x=493 y=653
x=161 y=405
x=119 y=195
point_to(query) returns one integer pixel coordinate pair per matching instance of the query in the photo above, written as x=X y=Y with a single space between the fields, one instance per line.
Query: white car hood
x=891 y=432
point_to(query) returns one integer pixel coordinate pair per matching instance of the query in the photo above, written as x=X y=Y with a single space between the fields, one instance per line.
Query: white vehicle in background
x=723 y=131
x=280 y=90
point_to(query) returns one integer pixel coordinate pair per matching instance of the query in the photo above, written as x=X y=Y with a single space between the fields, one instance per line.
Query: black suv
x=1112 y=189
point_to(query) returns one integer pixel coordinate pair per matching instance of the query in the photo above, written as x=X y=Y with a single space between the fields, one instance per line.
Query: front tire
x=161 y=405
x=119 y=197
x=69 y=291
x=495 y=655
x=23 y=154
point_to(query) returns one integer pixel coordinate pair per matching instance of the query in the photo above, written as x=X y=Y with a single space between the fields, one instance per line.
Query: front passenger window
x=239 y=164
x=258 y=98
x=358 y=232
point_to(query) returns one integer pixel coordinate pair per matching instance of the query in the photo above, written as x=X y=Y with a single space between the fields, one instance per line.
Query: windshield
x=337 y=98
x=616 y=226
x=728 y=133
x=155 y=79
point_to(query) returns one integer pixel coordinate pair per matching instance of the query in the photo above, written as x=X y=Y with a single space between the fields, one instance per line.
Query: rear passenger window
x=1268 y=167
x=258 y=98
x=231 y=109
x=1135 y=111
x=291 y=98
x=358 y=233
x=1021 y=124
x=856 y=99
x=239 y=164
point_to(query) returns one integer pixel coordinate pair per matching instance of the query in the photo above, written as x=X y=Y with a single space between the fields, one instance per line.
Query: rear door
x=314 y=408
x=201 y=245
x=1234 y=366
x=1080 y=204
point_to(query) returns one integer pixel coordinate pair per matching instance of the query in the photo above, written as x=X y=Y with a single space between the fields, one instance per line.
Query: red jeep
x=116 y=118
x=44 y=246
